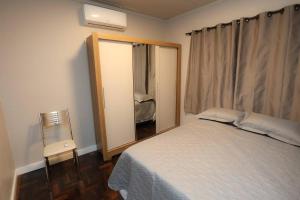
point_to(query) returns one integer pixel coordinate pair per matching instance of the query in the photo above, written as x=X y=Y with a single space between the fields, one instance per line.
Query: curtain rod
x=247 y=19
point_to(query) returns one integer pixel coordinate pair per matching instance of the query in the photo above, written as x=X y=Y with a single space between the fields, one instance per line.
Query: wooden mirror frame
x=97 y=93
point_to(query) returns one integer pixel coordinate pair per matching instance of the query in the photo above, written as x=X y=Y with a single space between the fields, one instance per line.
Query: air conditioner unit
x=103 y=17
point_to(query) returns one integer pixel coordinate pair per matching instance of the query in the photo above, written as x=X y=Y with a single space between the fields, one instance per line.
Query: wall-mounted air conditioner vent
x=103 y=17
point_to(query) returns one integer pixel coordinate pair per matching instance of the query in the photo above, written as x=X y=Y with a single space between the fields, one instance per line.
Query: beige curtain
x=211 y=72
x=144 y=69
x=268 y=65
x=151 y=70
x=139 y=68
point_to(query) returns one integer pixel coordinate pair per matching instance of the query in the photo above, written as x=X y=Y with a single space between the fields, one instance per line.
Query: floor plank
x=145 y=130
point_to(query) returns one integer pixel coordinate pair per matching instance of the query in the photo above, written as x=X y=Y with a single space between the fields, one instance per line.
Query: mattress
x=144 y=111
x=208 y=160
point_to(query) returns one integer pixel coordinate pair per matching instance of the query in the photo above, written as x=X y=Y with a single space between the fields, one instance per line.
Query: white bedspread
x=144 y=111
x=209 y=160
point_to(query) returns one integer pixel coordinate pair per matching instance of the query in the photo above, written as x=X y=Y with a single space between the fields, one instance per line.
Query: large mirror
x=143 y=62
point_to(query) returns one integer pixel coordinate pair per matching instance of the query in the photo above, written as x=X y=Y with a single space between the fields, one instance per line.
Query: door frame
x=97 y=87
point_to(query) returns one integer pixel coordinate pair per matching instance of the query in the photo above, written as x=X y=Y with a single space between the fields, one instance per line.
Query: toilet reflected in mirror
x=144 y=90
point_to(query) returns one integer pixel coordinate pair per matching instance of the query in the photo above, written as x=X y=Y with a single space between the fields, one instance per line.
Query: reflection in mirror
x=144 y=90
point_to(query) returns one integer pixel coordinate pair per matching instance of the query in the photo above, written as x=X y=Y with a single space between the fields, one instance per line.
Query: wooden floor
x=65 y=184
x=145 y=130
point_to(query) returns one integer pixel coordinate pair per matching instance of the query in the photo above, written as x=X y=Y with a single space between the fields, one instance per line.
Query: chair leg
x=47 y=168
x=75 y=155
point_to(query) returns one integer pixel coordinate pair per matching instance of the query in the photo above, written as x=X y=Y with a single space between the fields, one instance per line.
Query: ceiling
x=164 y=9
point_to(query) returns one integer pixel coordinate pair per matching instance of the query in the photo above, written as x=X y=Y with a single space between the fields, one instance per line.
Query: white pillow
x=142 y=97
x=281 y=129
x=221 y=115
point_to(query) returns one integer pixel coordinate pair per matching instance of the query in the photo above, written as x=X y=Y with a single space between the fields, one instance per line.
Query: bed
x=144 y=107
x=144 y=111
x=208 y=160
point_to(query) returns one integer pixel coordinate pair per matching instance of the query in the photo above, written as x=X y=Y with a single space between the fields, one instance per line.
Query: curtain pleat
x=211 y=72
x=268 y=65
x=144 y=69
x=253 y=67
x=151 y=70
x=139 y=68
x=290 y=96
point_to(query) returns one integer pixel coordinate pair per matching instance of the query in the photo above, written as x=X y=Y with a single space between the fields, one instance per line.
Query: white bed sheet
x=209 y=160
x=144 y=111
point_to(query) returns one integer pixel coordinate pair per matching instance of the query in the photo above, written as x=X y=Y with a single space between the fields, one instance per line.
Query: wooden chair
x=52 y=119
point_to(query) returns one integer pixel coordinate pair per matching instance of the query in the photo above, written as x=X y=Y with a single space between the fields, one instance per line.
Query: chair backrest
x=55 y=118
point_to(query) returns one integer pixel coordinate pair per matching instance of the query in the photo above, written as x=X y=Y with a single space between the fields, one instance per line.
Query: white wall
x=44 y=67
x=218 y=12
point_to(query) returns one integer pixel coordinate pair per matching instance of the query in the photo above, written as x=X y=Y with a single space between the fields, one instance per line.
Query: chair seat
x=59 y=147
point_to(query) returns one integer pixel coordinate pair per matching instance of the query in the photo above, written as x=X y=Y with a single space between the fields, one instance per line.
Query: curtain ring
x=269 y=14
x=247 y=20
x=282 y=11
x=297 y=7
